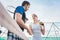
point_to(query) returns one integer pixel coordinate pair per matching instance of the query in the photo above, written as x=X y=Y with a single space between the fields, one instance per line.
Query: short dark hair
x=25 y=2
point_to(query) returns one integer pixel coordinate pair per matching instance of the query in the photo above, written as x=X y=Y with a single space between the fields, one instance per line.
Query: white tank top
x=36 y=30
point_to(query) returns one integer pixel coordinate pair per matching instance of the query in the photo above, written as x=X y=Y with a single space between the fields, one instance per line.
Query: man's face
x=26 y=7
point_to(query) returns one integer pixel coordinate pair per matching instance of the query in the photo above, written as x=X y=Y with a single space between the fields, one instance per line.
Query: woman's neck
x=35 y=22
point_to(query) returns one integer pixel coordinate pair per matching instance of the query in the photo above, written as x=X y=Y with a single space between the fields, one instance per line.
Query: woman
x=37 y=28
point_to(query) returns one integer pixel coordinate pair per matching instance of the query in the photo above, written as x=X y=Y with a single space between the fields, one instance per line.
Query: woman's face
x=34 y=18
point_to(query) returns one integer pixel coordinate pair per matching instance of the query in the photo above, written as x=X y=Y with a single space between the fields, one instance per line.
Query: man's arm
x=19 y=20
x=30 y=30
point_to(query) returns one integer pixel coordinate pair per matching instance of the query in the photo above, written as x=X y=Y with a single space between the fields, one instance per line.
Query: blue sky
x=47 y=10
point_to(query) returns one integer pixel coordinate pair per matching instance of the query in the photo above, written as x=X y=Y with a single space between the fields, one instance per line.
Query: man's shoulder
x=19 y=7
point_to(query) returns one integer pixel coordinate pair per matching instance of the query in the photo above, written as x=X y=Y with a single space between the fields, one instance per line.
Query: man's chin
x=25 y=10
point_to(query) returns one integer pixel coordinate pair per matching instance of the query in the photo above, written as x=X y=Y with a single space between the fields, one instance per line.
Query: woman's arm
x=42 y=28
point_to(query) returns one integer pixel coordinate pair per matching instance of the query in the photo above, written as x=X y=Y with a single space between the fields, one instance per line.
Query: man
x=9 y=23
x=20 y=18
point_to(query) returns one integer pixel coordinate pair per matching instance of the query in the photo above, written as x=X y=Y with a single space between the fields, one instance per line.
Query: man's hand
x=27 y=19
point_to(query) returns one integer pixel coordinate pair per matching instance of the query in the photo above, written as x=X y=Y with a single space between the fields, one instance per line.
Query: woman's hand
x=42 y=28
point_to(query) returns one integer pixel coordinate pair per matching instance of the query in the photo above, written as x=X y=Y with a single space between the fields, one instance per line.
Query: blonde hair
x=34 y=15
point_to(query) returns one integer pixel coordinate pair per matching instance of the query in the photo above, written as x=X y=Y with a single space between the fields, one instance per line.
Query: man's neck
x=24 y=7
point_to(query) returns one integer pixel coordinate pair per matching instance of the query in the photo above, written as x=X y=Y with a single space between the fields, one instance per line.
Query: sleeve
x=19 y=10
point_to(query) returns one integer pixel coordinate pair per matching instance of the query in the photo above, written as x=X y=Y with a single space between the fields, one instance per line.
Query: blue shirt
x=20 y=10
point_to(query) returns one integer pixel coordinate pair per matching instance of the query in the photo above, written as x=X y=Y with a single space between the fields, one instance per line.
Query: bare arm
x=30 y=32
x=19 y=20
x=42 y=28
